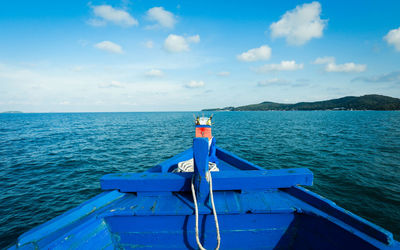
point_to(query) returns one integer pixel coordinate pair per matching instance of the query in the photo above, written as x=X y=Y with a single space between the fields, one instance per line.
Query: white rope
x=214 y=212
x=188 y=166
x=197 y=213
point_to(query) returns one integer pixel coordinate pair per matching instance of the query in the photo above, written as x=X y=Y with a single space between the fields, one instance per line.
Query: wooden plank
x=341 y=214
x=227 y=180
x=71 y=216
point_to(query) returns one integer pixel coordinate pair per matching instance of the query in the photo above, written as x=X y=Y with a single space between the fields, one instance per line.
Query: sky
x=143 y=55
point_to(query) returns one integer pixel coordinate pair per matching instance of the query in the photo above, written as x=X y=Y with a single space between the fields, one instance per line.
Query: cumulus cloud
x=346 y=67
x=256 y=54
x=162 y=17
x=106 y=13
x=109 y=47
x=154 y=73
x=174 y=43
x=283 y=66
x=194 y=84
x=300 y=25
x=273 y=81
x=387 y=77
x=393 y=38
x=331 y=66
x=223 y=73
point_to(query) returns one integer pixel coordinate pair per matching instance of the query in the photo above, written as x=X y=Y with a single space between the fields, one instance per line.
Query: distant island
x=366 y=102
x=12 y=112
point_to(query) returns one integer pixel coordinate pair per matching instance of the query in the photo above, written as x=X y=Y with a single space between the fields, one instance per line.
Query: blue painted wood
x=166 y=231
x=335 y=235
x=93 y=234
x=200 y=159
x=347 y=217
x=203 y=126
x=68 y=218
x=213 y=152
x=229 y=180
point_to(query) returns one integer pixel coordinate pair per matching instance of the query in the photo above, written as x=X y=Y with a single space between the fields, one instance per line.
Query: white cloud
x=106 y=13
x=256 y=54
x=163 y=18
x=195 y=84
x=393 y=38
x=346 y=67
x=331 y=66
x=273 y=81
x=193 y=39
x=387 y=77
x=324 y=60
x=283 y=66
x=149 y=44
x=109 y=47
x=154 y=73
x=96 y=89
x=96 y=22
x=112 y=84
x=300 y=25
x=223 y=73
x=174 y=43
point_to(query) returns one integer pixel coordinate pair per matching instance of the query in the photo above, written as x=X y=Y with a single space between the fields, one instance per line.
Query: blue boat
x=208 y=198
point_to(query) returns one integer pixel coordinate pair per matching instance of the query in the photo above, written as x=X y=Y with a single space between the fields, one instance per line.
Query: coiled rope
x=209 y=179
x=188 y=166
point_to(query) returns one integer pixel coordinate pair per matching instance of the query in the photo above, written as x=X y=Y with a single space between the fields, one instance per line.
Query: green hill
x=366 y=102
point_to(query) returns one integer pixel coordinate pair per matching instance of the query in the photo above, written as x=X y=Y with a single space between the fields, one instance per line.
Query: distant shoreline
x=205 y=110
x=348 y=103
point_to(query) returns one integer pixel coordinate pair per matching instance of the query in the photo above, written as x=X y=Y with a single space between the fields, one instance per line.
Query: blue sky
x=187 y=55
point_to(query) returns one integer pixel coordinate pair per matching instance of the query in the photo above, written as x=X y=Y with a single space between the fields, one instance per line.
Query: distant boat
x=237 y=205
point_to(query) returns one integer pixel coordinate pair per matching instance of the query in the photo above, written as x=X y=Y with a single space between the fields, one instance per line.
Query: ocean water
x=50 y=163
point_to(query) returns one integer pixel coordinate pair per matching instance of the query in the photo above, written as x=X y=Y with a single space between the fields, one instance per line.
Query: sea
x=52 y=162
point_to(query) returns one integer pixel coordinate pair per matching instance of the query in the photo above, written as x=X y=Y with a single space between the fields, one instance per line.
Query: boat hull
x=256 y=208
